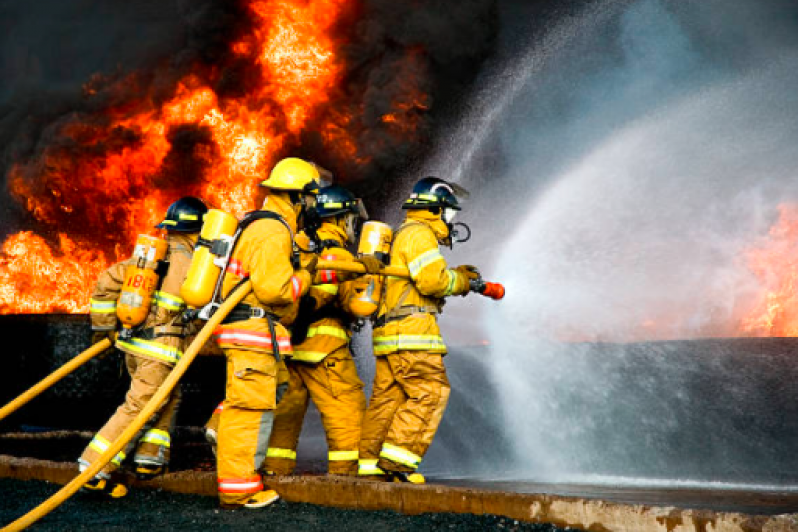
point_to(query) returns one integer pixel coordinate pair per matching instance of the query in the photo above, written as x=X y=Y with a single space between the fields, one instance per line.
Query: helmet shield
x=433 y=192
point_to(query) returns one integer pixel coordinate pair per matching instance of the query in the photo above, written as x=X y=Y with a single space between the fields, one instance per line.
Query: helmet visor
x=449 y=214
x=361 y=210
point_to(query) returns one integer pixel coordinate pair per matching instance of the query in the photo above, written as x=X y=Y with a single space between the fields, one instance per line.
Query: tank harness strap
x=330 y=243
x=400 y=311
x=246 y=311
x=309 y=315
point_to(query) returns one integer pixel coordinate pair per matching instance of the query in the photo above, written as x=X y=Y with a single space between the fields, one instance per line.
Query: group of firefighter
x=288 y=341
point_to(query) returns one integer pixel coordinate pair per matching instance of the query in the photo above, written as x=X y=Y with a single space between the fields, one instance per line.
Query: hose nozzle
x=494 y=291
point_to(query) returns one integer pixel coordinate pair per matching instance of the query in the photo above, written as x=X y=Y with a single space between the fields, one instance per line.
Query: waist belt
x=151 y=333
x=403 y=312
x=243 y=312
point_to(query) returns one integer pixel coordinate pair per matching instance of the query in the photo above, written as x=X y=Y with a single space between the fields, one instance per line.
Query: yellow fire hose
x=149 y=409
x=356 y=267
x=54 y=377
x=166 y=388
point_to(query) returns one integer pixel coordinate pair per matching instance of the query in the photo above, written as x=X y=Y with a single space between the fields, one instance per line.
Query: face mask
x=350 y=227
x=458 y=233
x=448 y=215
x=308 y=219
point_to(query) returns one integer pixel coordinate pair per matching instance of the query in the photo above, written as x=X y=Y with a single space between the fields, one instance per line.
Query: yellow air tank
x=375 y=239
x=141 y=280
x=210 y=256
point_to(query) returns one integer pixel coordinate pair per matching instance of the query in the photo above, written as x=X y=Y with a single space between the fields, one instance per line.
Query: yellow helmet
x=293 y=173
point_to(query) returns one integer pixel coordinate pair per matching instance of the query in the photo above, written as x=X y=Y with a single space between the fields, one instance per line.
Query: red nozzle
x=493 y=291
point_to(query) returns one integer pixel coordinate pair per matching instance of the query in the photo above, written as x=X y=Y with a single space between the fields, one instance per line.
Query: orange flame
x=775 y=263
x=123 y=186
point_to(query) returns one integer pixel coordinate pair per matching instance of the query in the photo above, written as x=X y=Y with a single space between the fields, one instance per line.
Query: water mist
x=638 y=151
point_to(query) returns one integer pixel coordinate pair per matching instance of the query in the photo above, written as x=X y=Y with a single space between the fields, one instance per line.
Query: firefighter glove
x=311 y=264
x=468 y=271
x=371 y=263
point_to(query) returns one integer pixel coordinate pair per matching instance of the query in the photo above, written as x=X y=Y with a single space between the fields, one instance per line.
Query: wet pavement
x=148 y=510
x=752 y=500
x=191 y=452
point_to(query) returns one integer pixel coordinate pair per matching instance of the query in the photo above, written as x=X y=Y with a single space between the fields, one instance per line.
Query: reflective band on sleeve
x=400 y=456
x=335 y=456
x=100 y=444
x=152 y=349
x=237 y=337
x=452 y=278
x=328 y=288
x=102 y=307
x=219 y=408
x=296 y=287
x=408 y=342
x=329 y=276
x=240 y=485
x=168 y=301
x=422 y=261
x=369 y=467
x=236 y=268
x=157 y=437
x=275 y=452
x=328 y=330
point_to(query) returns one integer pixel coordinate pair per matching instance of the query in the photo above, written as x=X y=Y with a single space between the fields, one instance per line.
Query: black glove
x=371 y=263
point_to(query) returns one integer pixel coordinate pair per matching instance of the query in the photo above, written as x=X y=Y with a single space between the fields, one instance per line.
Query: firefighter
x=411 y=388
x=150 y=352
x=322 y=367
x=252 y=337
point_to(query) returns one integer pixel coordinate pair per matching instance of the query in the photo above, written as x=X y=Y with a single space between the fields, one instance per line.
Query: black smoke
x=70 y=67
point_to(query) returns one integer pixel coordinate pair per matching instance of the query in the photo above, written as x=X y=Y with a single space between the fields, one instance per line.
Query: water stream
x=622 y=167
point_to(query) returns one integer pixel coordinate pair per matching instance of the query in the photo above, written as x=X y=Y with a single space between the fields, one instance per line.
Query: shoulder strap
x=406 y=292
x=261 y=215
x=329 y=244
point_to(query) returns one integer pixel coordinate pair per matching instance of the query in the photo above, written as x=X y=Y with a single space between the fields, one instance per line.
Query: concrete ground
x=149 y=510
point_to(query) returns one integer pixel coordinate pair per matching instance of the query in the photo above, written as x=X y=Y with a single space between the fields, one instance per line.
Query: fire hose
x=492 y=290
x=149 y=409
x=487 y=289
x=54 y=377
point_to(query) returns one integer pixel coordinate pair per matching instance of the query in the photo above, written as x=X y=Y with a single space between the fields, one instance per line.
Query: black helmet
x=434 y=192
x=335 y=199
x=185 y=215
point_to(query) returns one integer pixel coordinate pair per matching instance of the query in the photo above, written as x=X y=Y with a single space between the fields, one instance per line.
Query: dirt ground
x=147 y=510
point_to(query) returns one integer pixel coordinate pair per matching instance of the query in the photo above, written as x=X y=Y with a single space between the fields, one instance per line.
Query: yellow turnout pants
x=410 y=393
x=153 y=442
x=334 y=386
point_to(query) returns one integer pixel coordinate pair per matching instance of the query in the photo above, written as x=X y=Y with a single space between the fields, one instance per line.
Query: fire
x=109 y=176
x=776 y=265
x=28 y=266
